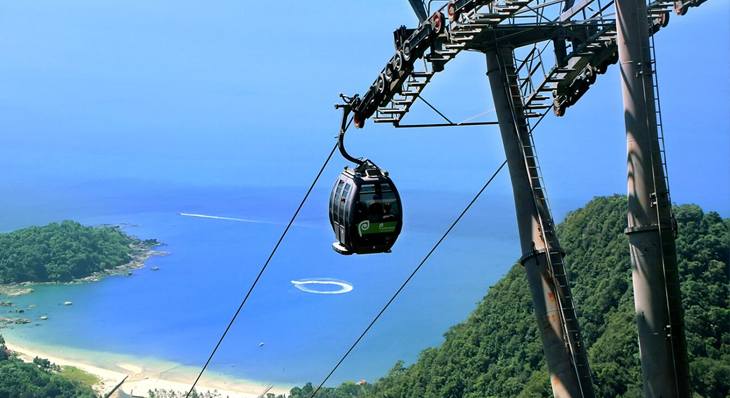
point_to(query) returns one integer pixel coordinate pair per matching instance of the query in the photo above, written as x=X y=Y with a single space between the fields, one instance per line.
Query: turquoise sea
x=284 y=335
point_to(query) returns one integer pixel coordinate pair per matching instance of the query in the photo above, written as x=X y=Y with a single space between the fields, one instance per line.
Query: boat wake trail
x=224 y=218
x=322 y=286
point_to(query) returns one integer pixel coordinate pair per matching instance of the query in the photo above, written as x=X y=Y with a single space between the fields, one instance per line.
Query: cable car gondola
x=365 y=211
x=365 y=208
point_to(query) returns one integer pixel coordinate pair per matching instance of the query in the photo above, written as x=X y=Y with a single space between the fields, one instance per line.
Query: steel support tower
x=651 y=227
x=565 y=45
x=567 y=362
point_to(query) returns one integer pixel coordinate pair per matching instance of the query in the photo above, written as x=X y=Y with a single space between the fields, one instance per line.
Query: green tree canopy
x=33 y=380
x=61 y=252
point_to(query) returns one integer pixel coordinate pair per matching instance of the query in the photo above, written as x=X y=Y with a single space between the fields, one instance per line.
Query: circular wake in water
x=323 y=286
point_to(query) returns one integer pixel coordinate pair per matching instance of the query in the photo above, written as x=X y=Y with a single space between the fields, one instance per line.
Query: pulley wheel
x=664 y=19
x=389 y=71
x=590 y=75
x=381 y=83
x=398 y=61
x=359 y=123
x=452 y=12
x=678 y=8
x=437 y=23
x=406 y=51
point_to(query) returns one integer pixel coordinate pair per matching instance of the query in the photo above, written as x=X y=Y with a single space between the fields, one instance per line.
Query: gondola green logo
x=365 y=227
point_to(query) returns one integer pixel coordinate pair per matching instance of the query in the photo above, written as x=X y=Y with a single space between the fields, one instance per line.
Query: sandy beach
x=137 y=380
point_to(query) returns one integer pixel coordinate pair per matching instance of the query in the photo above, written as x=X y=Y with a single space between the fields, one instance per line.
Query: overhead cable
x=262 y=271
x=408 y=280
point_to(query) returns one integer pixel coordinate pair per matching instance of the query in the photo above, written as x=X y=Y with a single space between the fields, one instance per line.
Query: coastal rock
x=9 y=320
x=14 y=291
x=20 y=292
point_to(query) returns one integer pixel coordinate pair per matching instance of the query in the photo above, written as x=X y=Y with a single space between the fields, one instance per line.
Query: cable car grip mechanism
x=350 y=103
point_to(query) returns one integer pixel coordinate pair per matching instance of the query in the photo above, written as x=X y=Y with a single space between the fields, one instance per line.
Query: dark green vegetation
x=496 y=352
x=36 y=380
x=62 y=252
x=347 y=389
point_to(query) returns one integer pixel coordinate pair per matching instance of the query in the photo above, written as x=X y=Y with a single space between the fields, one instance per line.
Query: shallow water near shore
x=284 y=334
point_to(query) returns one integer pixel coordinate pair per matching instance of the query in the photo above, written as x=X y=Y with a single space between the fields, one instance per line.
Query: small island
x=68 y=253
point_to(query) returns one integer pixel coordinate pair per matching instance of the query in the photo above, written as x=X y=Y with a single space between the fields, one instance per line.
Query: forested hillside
x=20 y=379
x=61 y=252
x=496 y=352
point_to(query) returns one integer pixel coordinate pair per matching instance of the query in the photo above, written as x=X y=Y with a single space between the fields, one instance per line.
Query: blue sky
x=238 y=93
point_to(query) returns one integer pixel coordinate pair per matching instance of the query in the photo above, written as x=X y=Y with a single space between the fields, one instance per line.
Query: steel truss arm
x=582 y=33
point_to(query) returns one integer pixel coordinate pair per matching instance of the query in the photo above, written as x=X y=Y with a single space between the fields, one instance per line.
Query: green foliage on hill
x=20 y=379
x=496 y=352
x=61 y=252
x=345 y=390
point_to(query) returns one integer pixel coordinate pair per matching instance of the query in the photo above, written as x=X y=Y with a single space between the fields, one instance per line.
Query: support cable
x=476 y=117
x=435 y=110
x=262 y=270
x=450 y=123
x=409 y=278
x=402 y=126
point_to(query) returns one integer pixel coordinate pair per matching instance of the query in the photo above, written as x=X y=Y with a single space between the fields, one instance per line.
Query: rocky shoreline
x=4 y=320
x=141 y=252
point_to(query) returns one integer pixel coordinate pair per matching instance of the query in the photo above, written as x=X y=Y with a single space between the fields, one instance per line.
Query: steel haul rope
x=409 y=279
x=262 y=271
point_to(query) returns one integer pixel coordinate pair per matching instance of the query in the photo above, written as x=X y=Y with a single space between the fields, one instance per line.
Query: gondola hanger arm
x=350 y=102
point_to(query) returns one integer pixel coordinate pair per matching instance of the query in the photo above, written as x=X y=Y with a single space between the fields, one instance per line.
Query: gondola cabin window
x=377 y=209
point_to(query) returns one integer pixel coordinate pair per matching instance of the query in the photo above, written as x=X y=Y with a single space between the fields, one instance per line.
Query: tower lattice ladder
x=553 y=255
x=666 y=224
